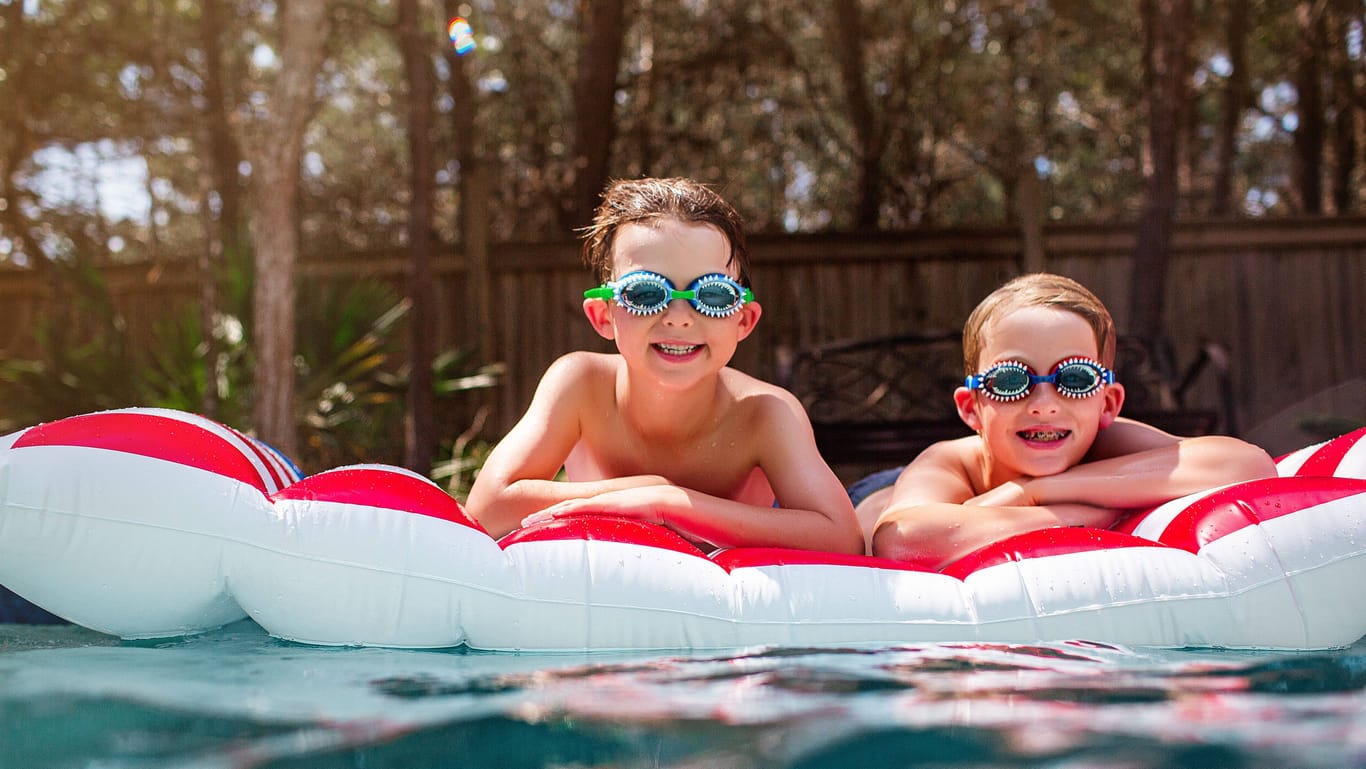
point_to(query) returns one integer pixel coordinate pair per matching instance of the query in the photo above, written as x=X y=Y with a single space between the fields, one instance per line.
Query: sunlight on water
x=237 y=698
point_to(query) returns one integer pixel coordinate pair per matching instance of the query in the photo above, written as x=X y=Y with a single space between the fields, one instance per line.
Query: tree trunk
x=222 y=148
x=274 y=147
x=223 y=232
x=1309 y=134
x=1166 y=24
x=1345 y=113
x=595 y=91
x=1029 y=212
x=1235 y=99
x=16 y=60
x=419 y=423
x=846 y=40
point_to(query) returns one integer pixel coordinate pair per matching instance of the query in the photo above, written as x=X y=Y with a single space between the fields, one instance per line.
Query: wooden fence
x=1287 y=299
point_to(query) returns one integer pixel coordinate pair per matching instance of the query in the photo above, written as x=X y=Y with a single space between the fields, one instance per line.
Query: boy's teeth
x=1043 y=435
x=677 y=349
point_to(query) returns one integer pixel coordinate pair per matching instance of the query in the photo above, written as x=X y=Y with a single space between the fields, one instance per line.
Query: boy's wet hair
x=628 y=201
x=1039 y=289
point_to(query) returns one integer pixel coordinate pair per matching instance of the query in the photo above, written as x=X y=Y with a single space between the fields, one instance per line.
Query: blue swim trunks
x=17 y=610
x=860 y=489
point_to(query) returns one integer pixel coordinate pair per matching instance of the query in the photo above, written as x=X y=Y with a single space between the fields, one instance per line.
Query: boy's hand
x=1017 y=493
x=634 y=503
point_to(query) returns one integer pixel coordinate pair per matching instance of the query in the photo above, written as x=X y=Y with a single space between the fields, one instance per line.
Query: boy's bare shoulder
x=576 y=378
x=966 y=448
x=1128 y=436
x=762 y=397
x=583 y=364
x=955 y=454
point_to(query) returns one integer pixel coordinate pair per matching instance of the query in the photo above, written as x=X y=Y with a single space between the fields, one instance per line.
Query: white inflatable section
x=157 y=536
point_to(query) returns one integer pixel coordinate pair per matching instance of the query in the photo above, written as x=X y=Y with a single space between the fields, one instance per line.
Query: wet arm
x=1144 y=478
x=721 y=522
x=933 y=518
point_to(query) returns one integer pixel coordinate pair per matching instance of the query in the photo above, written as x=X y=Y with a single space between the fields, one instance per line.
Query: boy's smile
x=1044 y=436
x=677 y=350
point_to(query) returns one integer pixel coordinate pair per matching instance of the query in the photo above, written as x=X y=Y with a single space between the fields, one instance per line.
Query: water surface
x=238 y=698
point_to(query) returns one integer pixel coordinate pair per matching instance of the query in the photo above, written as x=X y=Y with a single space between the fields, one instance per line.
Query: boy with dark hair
x=664 y=430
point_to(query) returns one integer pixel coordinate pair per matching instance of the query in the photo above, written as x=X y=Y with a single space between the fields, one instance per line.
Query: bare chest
x=720 y=462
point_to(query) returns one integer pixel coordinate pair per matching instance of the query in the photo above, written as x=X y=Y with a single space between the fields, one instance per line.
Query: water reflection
x=240 y=699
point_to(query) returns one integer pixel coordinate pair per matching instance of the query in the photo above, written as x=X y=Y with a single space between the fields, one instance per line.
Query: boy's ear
x=600 y=315
x=1114 y=399
x=749 y=318
x=966 y=402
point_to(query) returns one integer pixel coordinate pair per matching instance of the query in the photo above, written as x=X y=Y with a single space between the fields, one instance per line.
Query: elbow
x=888 y=542
x=850 y=543
x=497 y=532
x=1237 y=460
x=903 y=540
x=1259 y=464
x=497 y=524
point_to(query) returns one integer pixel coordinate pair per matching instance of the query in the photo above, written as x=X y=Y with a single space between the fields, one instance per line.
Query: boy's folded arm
x=814 y=507
x=815 y=512
x=515 y=479
x=721 y=522
x=1153 y=476
x=934 y=534
x=510 y=507
x=728 y=523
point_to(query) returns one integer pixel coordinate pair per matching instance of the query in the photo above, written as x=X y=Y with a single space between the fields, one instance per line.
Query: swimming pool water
x=238 y=698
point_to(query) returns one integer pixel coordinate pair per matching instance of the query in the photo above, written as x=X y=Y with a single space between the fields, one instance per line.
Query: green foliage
x=86 y=355
x=466 y=456
x=352 y=375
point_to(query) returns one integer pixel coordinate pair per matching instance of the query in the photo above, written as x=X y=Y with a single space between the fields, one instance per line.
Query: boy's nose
x=678 y=313
x=1045 y=399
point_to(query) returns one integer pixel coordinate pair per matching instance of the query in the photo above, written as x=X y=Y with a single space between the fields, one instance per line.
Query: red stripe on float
x=1228 y=510
x=603 y=528
x=1325 y=459
x=377 y=487
x=1129 y=523
x=148 y=435
x=271 y=464
x=1060 y=540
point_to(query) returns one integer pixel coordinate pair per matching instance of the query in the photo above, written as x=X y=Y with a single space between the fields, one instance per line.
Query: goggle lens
x=1007 y=381
x=1011 y=380
x=645 y=296
x=1077 y=378
x=719 y=296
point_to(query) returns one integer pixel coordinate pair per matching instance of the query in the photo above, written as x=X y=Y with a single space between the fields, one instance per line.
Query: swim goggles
x=645 y=293
x=1011 y=380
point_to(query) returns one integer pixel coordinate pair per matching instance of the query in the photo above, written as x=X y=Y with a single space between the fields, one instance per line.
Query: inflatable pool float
x=149 y=523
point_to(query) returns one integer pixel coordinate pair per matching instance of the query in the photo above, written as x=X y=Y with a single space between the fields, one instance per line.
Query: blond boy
x=663 y=430
x=1050 y=449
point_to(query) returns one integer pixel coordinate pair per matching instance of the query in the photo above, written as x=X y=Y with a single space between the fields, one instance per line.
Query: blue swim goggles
x=1012 y=380
x=645 y=293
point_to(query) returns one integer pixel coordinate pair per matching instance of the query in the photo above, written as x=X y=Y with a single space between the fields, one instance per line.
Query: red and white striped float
x=148 y=523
